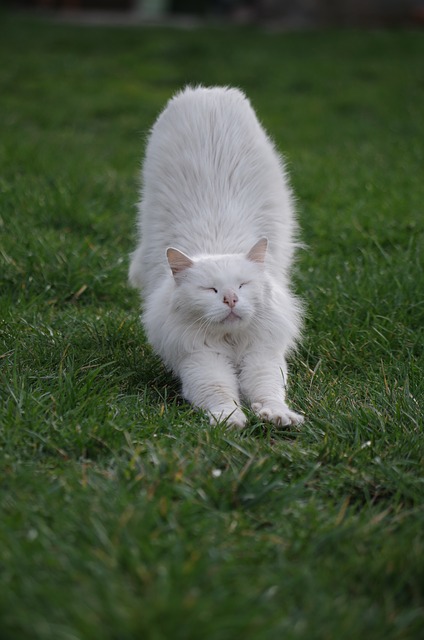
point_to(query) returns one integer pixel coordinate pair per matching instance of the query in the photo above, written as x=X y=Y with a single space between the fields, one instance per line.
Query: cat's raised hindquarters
x=217 y=236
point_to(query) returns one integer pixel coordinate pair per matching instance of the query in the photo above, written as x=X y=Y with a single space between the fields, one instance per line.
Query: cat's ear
x=258 y=251
x=178 y=261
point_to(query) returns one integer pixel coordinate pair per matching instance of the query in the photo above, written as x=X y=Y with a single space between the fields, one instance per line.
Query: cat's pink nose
x=230 y=298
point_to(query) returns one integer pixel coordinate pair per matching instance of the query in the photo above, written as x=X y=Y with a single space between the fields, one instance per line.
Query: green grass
x=124 y=515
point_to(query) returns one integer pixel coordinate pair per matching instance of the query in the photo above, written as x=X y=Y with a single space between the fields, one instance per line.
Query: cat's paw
x=278 y=413
x=232 y=417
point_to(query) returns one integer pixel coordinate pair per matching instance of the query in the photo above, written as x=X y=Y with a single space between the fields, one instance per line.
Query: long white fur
x=214 y=187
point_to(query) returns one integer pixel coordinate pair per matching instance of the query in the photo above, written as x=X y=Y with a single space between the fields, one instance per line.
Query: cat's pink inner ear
x=258 y=251
x=178 y=261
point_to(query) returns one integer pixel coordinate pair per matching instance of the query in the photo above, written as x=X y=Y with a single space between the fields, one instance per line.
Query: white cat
x=217 y=236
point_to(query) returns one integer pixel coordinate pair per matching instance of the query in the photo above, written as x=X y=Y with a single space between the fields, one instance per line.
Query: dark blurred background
x=291 y=13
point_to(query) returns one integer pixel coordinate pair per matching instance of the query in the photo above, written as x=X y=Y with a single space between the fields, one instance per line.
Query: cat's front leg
x=210 y=383
x=262 y=380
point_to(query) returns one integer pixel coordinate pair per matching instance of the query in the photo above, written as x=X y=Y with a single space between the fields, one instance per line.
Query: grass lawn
x=124 y=515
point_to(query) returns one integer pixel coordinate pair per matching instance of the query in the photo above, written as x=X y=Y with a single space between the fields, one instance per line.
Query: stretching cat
x=217 y=232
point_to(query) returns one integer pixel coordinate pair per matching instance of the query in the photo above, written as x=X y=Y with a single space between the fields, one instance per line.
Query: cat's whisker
x=200 y=328
x=197 y=320
x=203 y=327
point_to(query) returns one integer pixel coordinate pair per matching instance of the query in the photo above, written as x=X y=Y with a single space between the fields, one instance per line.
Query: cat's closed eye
x=210 y=289
x=243 y=284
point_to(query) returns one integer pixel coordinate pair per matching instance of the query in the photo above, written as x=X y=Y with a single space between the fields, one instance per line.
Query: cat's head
x=224 y=291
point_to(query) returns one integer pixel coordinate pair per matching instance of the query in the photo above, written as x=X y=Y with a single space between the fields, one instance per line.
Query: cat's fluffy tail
x=135 y=276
